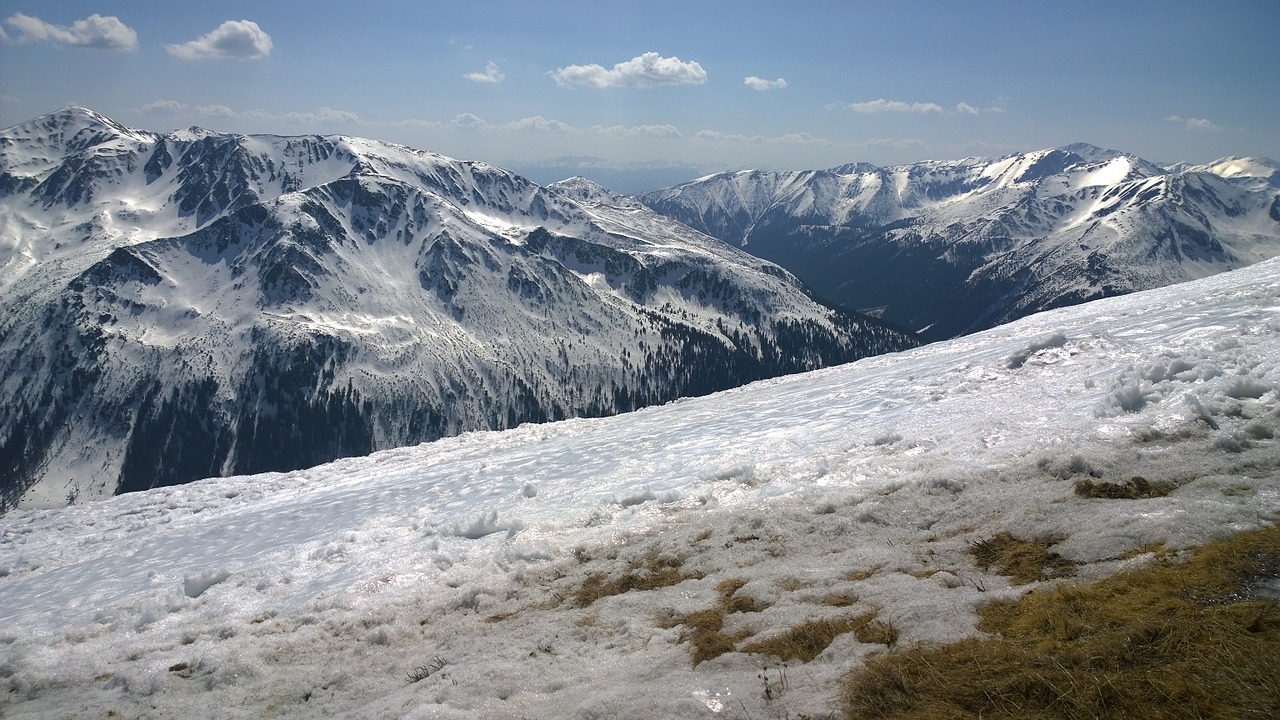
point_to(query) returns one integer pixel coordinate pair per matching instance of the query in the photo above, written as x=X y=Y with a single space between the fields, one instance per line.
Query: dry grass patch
x=1135 y=488
x=807 y=640
x=648 y=573
x=856 y=575
x=1023 y=561
x=730 y=602
x=1177 y=639
x=704 y=629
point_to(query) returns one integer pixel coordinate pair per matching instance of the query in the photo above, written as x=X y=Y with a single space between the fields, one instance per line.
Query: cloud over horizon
x=492 y=74
x=801 y=138
x=643 y=71
x=1190 y=123
x=891 y=106
x=233 y=39
x=323 y=115
x=95 y=31
x=762 y=85
x=633 y=131
x=537 y=123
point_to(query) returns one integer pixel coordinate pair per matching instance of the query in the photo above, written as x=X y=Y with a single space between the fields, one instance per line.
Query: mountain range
x=191 y=304
x=950 y=247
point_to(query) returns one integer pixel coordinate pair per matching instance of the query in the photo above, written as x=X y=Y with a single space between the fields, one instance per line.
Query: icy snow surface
x=318 y=592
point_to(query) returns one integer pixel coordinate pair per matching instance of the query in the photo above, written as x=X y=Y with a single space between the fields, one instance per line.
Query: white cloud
x=419 y=123
x=165 y=107
x=538 y=123
x=321 y=116
x=762 y=85
x=224 y=111
x=899 y=143
x=788 y=139
x=467 y=121
x=95 y=31
x=652 y=131
x=492 y=74
x=964 y=108
x=1192 y=123
x=645 y=71
x=236 y=39
x=890 y=106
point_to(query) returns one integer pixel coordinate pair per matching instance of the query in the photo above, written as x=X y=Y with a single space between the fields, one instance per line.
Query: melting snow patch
x=1247 y=387
x=489 y=524
x=1020 y=358
x=195 y=585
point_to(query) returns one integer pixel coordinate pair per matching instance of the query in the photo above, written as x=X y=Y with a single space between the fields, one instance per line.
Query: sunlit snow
x=319 y=592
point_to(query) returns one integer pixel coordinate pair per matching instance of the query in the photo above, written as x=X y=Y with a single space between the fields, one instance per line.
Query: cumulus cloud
x=788 y=139
x=1192 y=123
x=892 y=106
x=882 y=105
x=95 y=31
x=899 y=143
x=652 y=131
x=467 y=121
x=645 y=71
x=537 y=123
x=762 y=85
x=165 y=107
x=234 y=39
x=492 y=74
x=419 y=123
x=223 y=111
x=324 y=115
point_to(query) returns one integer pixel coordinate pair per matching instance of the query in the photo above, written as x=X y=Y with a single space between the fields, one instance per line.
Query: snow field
x=845 y=491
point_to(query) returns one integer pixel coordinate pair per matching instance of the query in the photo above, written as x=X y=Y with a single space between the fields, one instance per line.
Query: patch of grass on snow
x=1024 y=561
x=807 y=640
x=1189 y=638
x=1135 y=488
x=647 y=573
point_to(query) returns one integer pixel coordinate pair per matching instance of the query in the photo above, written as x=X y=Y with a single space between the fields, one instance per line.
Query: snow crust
x=318 y=592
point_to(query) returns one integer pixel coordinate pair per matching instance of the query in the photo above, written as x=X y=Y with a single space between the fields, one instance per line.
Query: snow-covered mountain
x=450 y=580
x=953 y=247
x=182 y=305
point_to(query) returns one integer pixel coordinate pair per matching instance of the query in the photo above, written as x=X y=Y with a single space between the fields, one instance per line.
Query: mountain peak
x=581 y=189
x=853 y=168
x=1090 y=153
x=73 y=129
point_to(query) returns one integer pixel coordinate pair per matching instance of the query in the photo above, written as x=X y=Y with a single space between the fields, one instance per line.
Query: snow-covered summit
x=955 y=246
x=1239 y=167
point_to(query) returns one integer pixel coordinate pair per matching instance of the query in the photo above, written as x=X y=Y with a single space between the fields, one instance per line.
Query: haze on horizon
x=712 y=85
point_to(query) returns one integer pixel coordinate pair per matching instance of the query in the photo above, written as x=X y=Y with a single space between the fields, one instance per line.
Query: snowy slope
x=194 y=304
x=956 y=246
x=317 y=592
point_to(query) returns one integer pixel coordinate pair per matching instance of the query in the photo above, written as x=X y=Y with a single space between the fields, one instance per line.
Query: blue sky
x=714 y=84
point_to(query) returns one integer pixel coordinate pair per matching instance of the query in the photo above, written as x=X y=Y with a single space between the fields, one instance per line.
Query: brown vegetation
x=1024 y=561
x=1135 y=488
x=1198 y=638
x=648 y=573
x=807 y=640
